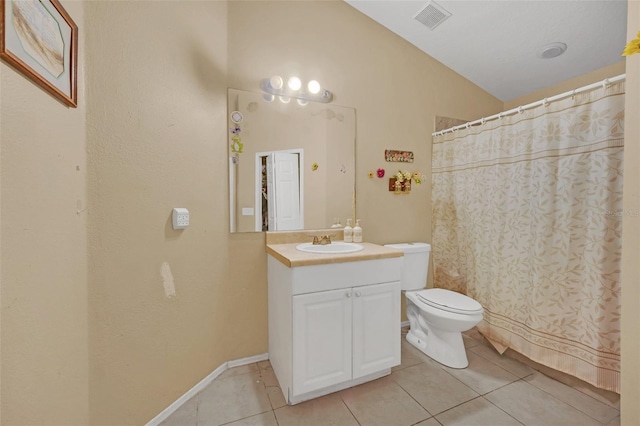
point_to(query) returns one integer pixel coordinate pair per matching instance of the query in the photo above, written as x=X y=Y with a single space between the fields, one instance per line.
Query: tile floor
x=494 y=390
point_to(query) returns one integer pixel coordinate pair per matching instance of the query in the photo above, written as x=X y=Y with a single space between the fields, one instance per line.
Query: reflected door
x=284 y=200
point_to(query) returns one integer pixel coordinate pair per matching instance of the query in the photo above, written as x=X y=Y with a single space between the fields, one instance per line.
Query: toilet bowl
x=437 y=317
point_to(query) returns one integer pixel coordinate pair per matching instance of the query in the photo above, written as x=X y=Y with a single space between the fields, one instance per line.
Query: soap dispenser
x=357 y=232
x=348 y=232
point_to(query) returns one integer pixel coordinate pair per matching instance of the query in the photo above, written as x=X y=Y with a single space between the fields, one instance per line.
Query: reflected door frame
x=258 y=183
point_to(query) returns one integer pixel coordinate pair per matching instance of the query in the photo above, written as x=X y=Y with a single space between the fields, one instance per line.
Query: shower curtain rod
x=603 y=83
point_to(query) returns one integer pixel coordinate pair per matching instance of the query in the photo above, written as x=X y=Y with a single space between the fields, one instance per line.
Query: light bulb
x=276 y=82
x=302 y=102
x=284 y=99
x=294 y=83
x=314 y=87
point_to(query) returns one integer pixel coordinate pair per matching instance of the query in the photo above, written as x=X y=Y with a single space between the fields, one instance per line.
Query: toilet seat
x=449 y=301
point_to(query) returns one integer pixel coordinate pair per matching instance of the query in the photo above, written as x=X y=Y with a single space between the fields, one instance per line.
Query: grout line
x=457 y=405
x=499 y=408
x=349 y=409
x=411 y=396
x=566 y=402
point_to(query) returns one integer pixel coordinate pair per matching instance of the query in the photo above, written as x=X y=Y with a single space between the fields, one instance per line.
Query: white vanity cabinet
x=333 y=326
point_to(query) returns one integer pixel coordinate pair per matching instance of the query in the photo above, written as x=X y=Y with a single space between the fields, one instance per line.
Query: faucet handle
x=315 y=239
x=326 y=239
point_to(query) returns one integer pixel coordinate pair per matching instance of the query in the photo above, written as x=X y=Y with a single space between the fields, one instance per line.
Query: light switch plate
x=180 y=218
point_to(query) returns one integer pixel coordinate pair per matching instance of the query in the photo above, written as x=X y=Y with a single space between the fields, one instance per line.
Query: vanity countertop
x=291 y=257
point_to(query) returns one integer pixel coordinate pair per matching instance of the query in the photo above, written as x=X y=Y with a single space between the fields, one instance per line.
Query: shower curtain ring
x=520 y=109
x=605 y=83
x=545 y=102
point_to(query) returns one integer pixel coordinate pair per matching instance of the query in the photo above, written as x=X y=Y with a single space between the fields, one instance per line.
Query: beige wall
x=156 y=134
x=630 y=394
x=396 y=90
x=45 y=372
x=156 y=138
x=565 y=86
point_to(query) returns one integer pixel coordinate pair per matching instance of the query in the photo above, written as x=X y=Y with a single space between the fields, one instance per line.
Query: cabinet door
x=376 y=328
x=321 y=339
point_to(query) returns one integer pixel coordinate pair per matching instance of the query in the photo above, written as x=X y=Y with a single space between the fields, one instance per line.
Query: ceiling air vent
x=432 y=15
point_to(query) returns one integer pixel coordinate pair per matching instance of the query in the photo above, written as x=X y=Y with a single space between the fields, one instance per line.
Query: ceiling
x=495 y=43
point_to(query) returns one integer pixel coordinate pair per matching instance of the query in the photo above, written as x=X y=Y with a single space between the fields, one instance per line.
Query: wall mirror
x=291 y=163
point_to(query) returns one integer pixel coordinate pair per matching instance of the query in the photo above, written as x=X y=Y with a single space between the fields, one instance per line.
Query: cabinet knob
x=358 y=294
x=348 y=294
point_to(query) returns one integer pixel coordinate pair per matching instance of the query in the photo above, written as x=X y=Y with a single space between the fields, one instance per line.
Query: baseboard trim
x=164 y=414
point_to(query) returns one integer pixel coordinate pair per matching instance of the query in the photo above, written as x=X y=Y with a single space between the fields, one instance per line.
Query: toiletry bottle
x=348 y=232
x=357 y=232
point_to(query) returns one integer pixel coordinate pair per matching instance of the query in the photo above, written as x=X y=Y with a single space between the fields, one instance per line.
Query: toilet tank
x=415 y=264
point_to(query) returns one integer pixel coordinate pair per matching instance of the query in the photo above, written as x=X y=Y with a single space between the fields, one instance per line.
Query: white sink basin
x=336 y=247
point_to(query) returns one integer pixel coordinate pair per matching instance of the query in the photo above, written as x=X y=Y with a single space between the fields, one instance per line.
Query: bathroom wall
x=43 y=317
x=157 y=140
x=106 y=340
x=630 y=394
x=167 y=307
x=565 y=86
x=396 y=90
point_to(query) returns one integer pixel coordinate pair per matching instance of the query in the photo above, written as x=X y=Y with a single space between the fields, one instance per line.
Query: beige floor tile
x=433 y=388
x=532 y=406
x=478 y=412
x=614 y=422
x=269 y=377
x=183 y=416
x=476 y=335
x=264 y=419
x=276 y=397
x=409 y=356
x=606 y=397
x=594 y=408
x=469 y=342
x=326 y=410
x=264 y=365
x=233 y=398
x=511 y=365
x=383 y=402
x=429 y=422
x=481 y=375
x=241 y=369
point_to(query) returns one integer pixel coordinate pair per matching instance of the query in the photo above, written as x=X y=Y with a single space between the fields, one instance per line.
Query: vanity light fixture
x=294 y=88
x=314 y=87
x=294 y=83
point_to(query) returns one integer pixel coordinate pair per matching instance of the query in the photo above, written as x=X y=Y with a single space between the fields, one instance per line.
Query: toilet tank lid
x=410 y=247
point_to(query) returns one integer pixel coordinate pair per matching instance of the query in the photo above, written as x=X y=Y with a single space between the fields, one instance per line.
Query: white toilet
x=437 y=317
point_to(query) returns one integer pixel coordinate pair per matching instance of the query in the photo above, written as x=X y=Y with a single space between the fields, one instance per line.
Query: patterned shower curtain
x=527 y=213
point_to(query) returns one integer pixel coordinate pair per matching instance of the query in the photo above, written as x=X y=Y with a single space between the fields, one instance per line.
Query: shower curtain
x=527 y=213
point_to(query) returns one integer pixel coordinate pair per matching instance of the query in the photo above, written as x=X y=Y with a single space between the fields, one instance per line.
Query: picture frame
x=39 y=39
x=398 y=156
